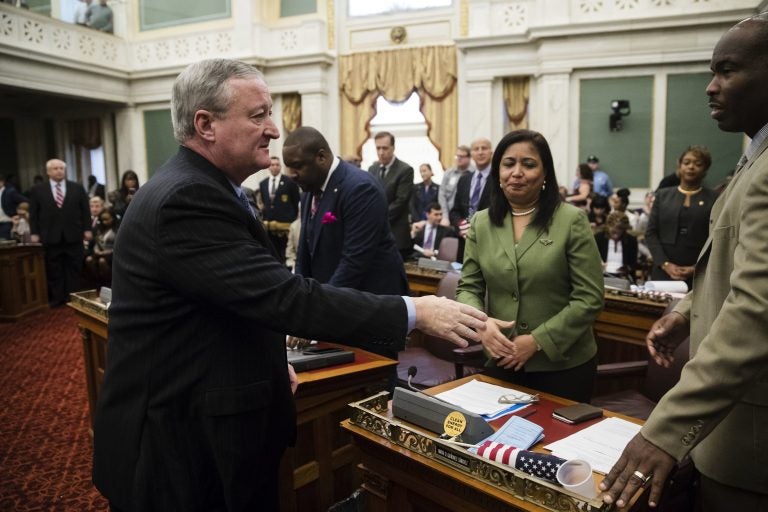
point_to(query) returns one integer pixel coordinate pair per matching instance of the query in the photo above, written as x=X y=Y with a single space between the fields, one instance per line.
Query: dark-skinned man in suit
x=718 y=411
x=196 y=406
x=59 y=218
x=345 y=237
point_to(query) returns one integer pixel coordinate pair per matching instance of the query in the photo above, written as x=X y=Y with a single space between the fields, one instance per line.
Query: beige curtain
x=516 y=95
x=84 y=135
x=430 y=71
x=291 y=112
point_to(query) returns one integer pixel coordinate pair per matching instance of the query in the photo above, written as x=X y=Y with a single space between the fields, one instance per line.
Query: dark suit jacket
x=196 y=408
x=442 y=232
x=398 y=185
x=99 y=191
x=285 y=206
x=11 y=199
x=460 y=210
x=662 y=236
x=357 y=249
x=628 y=249
x=55 y=225
x=421 y=199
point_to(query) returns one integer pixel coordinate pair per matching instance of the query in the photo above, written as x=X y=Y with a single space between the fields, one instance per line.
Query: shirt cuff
x=411 y=307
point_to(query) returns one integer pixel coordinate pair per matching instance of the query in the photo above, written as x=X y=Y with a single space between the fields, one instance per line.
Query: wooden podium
x=320 y=470
x=23 y=286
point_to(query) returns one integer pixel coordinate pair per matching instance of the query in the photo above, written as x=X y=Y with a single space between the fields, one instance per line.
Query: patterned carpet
x=45 y=448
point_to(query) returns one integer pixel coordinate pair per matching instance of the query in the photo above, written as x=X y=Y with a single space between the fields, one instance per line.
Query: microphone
x=412 y=371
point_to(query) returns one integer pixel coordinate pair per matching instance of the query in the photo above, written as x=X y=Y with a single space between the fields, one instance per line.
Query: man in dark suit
x=429 y=233
x=280 y=197
x=471 y=193
x=345 y=238
x=195 y=409
x=397 y=178
x=59 y=218
x=10 y=199
x=424 y=194
x=95 y=189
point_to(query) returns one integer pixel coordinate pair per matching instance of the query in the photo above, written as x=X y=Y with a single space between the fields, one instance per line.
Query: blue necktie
x=475 y=199
x=244 y=201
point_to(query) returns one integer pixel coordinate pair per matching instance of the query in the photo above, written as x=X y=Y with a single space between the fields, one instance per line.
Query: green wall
x=688 y=123
x=165 y=13
x=625 y=155
x=160 y=143
x=297 y=7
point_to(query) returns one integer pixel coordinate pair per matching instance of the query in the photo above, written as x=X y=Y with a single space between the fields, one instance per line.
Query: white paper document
x=600 y=444
x=483 y=398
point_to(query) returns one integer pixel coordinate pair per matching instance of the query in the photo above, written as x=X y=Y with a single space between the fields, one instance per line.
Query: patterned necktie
x=244 y=202
x=475 y=199
x=382 y=171
x=315 y=203
x=430 y=238
x=740 y=165
x=59 y=195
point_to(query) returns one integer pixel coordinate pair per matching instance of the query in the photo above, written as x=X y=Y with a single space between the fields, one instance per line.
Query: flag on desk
x=536 y=464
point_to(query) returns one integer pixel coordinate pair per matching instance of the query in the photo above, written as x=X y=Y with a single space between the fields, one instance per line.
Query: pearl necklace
x=523 y=214
x=688 y=192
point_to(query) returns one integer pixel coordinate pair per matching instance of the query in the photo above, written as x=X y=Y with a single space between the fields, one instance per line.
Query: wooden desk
x=320 y=469
x=621 y=328
x=422 y=281
x=400 y=479
x=23 y=286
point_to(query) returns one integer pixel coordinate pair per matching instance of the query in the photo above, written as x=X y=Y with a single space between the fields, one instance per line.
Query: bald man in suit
x=718 y=411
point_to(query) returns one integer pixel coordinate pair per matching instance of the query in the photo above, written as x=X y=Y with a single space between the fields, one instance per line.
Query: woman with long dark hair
x=535 y=259
x=121 y=197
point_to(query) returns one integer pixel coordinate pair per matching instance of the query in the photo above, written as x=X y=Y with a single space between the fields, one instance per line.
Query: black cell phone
x=321 y=350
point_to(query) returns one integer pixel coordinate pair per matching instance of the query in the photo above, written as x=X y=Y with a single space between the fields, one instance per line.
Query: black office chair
x=436 y=360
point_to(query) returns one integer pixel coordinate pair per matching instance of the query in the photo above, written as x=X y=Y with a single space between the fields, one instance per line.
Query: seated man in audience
x=429 y=233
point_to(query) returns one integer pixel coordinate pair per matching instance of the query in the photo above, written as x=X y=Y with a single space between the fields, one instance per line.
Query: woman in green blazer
x=531 y=262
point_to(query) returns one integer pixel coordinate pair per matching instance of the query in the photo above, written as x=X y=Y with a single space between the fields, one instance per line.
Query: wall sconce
x=620 y=109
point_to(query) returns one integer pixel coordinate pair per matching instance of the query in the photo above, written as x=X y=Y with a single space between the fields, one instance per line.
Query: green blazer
x=551 y=284
x=719 y=410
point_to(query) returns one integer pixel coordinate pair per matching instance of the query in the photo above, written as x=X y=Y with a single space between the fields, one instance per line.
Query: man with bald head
x=60 y=219
x=471 y=193
x=718 y=411
x=345 y=236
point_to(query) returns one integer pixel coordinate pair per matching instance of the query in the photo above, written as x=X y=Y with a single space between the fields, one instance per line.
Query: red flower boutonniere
x=328 y=218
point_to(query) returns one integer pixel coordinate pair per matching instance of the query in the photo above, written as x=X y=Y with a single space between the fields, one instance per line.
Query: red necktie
x=59 y=195
x=315 y=203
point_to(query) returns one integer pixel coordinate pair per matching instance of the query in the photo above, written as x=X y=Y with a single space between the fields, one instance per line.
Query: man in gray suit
x=718 y=412
x=397 y=178
x=196 y=409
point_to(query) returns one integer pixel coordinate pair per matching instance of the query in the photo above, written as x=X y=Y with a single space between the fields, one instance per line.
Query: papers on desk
x=517 y=432
x=482 y=398
x=600 y=444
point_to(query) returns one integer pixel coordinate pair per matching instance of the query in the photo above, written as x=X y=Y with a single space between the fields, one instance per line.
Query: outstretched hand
x=664 y=337
x=640 y=463
x=449 y=319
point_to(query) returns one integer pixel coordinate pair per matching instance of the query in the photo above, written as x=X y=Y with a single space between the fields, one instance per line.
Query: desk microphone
x=412 y=370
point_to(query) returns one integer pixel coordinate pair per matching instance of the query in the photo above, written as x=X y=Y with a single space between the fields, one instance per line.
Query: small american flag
x=536 y=464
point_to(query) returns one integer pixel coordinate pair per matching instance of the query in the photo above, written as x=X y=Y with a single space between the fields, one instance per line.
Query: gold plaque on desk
x=90 y=302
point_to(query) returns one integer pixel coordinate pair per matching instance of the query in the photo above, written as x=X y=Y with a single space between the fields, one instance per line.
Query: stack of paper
x=517 y=432
x=483 y=398
x=600 y=444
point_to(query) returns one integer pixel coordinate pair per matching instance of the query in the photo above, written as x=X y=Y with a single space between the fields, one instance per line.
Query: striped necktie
x=59 y=195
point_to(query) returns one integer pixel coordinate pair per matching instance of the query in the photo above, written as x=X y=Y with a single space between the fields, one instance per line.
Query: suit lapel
x=327 y=202
x=721 y=201
x=530 y=236
x=506 y=239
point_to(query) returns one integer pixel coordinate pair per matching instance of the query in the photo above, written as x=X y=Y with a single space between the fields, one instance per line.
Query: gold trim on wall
x=464 y=18
x=331 y=22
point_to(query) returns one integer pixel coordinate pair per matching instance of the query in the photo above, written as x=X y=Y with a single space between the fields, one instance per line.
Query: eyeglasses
x=461 y=156
x=518 y=398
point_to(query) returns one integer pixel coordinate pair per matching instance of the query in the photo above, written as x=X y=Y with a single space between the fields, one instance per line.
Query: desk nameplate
x=372 y=415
